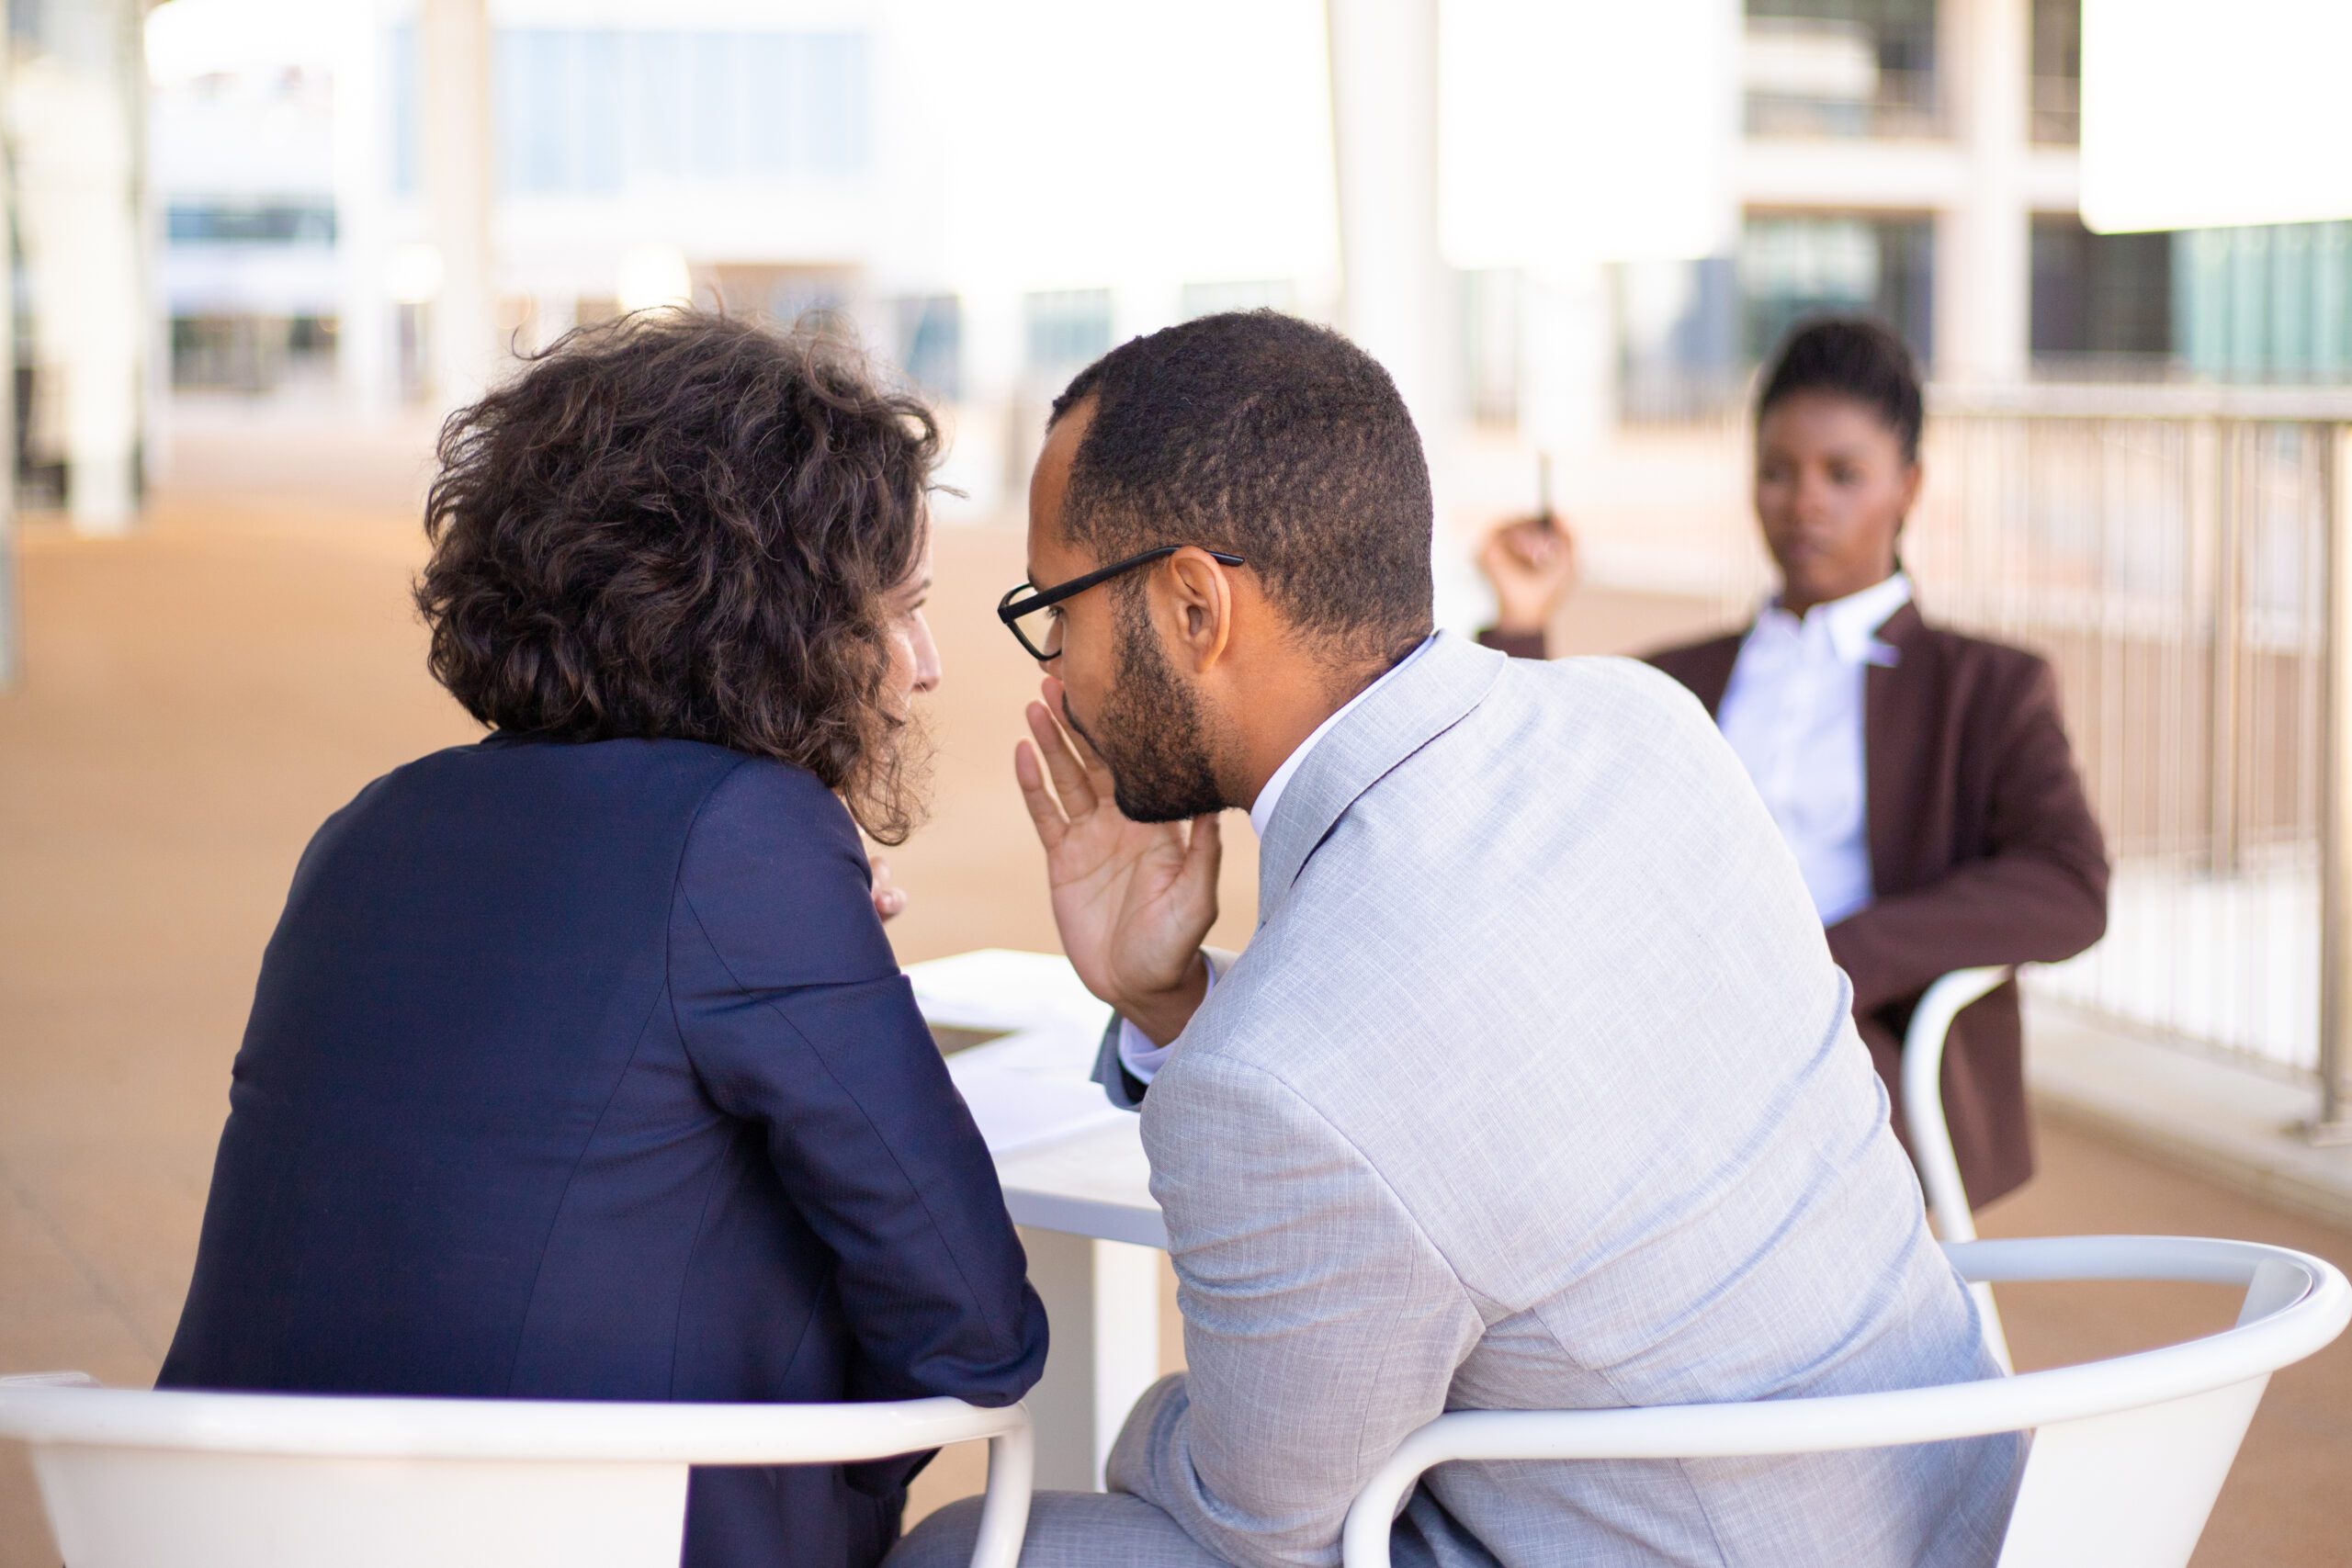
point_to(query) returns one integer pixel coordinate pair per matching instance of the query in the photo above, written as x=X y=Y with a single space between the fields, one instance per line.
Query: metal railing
x=2171 y=551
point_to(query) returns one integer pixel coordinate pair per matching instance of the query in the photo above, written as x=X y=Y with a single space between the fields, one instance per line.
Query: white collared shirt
x=1137 y=1052
x=1793 y=715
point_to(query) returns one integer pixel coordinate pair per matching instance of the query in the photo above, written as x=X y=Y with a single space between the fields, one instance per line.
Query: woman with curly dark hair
x=580 y=1065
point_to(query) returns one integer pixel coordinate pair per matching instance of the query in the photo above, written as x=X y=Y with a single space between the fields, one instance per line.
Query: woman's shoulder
x=1988 y=660
x=687 y=770
x=1990 y=689
x=762 y=816
x=773 y=877
x=625 y=791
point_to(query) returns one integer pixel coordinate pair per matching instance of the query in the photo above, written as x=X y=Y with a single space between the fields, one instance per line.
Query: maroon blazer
x=1982 y=851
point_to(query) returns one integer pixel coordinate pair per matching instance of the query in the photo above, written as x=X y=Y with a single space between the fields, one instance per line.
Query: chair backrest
x=139 y=1479
x=1922 y=1091
x=2128 y=1454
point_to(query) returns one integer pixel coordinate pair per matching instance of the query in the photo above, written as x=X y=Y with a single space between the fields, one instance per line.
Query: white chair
x=2128 y=1454
x=1923 y=1112
x=140 y=1479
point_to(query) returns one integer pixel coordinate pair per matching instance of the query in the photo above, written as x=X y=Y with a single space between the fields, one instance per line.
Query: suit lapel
x=1413 y=707
x=1893 y=706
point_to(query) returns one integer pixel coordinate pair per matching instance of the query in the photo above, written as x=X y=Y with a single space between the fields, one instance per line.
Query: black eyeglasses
x=1012 y=609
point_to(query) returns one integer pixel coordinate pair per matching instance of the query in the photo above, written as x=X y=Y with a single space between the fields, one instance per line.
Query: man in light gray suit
x=1536 y=1086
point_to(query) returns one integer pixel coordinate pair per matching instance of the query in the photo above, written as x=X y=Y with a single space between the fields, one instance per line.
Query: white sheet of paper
x=1032 y=1087
x=997 y=987
x=1019 y=1110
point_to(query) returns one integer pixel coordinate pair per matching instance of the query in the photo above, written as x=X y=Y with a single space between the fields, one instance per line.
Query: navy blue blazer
x=584 y=1071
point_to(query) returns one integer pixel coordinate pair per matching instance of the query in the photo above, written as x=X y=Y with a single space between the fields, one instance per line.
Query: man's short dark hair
x=1854 y=356
x=681 y=525
x=1275 y=439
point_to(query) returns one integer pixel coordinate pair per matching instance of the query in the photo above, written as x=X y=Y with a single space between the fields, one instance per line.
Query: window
x=931 y=344
x=2099 y=297
x=1860 y=68
x=655 y=107
x=251 y=223
x=601 y=71
x=1793 y=266
x=829 y=101
x=715 y=94
x=1068 y=330
x=770 y=146
x=1679 y=340
x=531 y=80
x=401 y=94
x=595 y=110
x=2264 y=303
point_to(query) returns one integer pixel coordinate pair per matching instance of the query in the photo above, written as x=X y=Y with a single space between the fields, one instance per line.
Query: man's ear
x=1199 y=602
x=1913 y=477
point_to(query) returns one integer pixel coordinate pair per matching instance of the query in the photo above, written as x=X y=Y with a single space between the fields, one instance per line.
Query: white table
x=1076 y=1182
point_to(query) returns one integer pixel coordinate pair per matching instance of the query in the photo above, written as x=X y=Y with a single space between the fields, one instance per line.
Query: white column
x=1384 y=138
x=1102 y=1300
x=1395 y=299
x=1983 y=279
x=75 y=122
x=454 y=42
x=366 y=323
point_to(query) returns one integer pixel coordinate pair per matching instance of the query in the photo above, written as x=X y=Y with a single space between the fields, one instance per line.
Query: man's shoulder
x=1594 y=706
x=1541 y=811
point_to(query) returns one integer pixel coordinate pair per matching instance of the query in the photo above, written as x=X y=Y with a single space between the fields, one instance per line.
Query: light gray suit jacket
x=1537 y=1089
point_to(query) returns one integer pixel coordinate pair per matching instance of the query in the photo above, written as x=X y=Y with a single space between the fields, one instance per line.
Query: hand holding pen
x=1531 y=563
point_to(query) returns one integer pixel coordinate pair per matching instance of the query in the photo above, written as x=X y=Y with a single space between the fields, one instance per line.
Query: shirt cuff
x=1141 y=1058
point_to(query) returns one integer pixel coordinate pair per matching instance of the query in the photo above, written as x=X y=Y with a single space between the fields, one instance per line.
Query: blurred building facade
x=1917 y=157
x=853 y=159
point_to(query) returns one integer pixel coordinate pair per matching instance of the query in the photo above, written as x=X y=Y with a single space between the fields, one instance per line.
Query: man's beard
x=1149 y=733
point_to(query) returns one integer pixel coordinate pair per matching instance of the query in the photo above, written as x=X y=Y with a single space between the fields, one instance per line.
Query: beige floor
x=200 y=695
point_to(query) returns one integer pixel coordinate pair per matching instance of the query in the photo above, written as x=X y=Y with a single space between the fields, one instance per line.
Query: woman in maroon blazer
x=1922 y=777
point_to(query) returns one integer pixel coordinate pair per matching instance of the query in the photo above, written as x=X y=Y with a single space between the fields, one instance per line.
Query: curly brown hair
x=683 y=524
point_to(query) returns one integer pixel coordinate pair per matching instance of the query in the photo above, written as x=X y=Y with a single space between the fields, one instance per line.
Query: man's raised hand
x=1133 y=900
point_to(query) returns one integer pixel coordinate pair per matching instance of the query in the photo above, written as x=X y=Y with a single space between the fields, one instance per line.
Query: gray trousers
x=1066 y=1529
